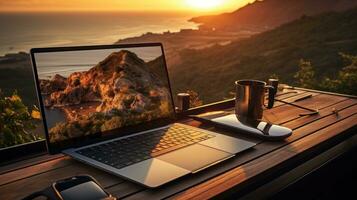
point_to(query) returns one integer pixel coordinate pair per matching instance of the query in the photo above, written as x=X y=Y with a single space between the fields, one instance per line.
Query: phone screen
x=80 y=188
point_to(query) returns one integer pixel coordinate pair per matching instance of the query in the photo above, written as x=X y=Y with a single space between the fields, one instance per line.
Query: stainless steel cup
x=250 y=95
x=275 y=83
x=183 y=102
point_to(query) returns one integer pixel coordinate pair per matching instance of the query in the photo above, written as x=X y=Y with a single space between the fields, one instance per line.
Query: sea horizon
x=49 y=29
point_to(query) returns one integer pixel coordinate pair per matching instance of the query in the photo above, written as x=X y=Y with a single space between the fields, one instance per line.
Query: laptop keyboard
x=127 y=151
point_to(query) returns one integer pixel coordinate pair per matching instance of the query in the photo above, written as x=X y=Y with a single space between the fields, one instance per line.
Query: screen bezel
x=54 y=148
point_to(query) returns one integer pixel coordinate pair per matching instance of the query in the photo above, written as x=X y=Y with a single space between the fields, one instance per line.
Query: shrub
x=306 y=75
x=16 y=122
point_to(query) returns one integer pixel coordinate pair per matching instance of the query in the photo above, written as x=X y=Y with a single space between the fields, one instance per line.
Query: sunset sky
x=210 y=6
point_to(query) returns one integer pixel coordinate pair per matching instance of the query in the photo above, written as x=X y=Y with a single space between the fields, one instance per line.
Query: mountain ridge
x=268 y=14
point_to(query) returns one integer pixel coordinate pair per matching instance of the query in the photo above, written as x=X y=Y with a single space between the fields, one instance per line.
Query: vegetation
x=306 y=76
x=345 y=82
x=16 y=122
x=317 y=39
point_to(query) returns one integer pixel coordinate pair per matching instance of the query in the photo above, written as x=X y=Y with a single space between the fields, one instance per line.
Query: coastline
x=173 y=42
x=78 y=29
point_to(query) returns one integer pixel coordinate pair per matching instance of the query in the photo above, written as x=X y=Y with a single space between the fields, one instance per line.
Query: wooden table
x=246 y=173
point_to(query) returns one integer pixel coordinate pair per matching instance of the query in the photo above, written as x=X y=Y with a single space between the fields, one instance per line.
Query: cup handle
x=271 y=96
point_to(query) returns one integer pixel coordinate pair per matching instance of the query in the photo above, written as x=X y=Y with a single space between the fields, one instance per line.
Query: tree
x=346 y=80
x=306 y=75
x=16 y=122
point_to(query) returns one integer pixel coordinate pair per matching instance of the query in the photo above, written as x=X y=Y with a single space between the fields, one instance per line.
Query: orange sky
x=210 y=6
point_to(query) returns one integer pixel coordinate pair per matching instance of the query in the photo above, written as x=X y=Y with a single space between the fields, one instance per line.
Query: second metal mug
x=250 y=95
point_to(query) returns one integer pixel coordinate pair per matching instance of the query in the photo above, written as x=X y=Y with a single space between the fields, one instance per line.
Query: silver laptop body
x=94 y=98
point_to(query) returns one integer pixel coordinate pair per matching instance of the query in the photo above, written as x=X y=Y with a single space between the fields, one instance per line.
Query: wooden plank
x=28 y=162
x=35 y=169
x=220 y=184
x=287 y=93
x=284 y=114
x=294 y=98
x=326 y=121
x=124 y=189
x=259 y=150
x=289 y=176
x=280 y=114
x=324 y=92
x=323 y=112
x=321 y=101
x=40 y=181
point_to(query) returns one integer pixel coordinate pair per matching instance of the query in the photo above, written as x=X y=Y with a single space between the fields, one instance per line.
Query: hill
x=267 y=14
x=319 y=39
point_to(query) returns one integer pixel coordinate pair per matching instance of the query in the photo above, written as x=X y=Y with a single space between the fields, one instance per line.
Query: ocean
x=23 y=31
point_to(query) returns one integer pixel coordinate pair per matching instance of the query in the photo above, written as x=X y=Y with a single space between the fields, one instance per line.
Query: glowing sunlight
x=204 y=4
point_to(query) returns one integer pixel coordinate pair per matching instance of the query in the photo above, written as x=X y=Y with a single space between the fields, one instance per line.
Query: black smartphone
x=80 y=187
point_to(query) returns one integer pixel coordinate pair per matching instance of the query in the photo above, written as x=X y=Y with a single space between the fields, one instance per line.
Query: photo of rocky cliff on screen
x=94 y=91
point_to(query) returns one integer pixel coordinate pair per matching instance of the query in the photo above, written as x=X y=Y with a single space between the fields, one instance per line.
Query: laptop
x=111 y=107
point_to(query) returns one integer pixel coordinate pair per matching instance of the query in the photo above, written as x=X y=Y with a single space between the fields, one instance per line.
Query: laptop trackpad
x=194 y=157
x=228 y=144
x=153 y=172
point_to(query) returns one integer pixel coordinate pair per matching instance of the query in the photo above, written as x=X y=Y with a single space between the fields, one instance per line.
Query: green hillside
x=318 y=39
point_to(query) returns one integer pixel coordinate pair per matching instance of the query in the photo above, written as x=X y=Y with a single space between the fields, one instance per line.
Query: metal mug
x=275 y=83
x=183 y=102
x=250 y=96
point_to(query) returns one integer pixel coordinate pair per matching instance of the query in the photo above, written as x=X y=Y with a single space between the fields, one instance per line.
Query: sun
x=204 y=4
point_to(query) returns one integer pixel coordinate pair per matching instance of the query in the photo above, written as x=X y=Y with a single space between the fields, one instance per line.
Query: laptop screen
x=93 y=91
